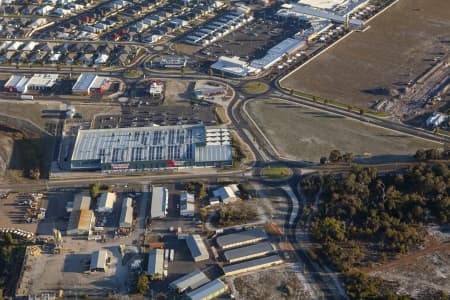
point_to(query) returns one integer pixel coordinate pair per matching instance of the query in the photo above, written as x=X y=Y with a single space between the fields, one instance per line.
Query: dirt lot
x=6 y=149
x=423 y=276
x=30 y=110
x=400 y=44
x=177 y=92
x=271 y=284
x=305 y=134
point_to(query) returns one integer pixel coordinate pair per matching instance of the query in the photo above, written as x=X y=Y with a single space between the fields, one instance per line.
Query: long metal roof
x=159 y=202
x=126 y=214
x=156 y=262
x=191 y=281
x=254 y=249
x=197 y=247
x=251 y=263
x=138 y=144
x=205 y=292
x=241 y=237
x=98 y=259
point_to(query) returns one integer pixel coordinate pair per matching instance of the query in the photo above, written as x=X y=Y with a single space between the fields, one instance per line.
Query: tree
x=335 y=156
x=420 y=155
x=94 y=190
x=291 y=91
x=9 y=239
x=361 y=111
x=142 y=284
x=348 y=157
x=323 y=160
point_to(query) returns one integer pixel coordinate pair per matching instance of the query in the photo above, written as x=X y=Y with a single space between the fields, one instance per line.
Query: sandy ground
x=426 y=274
x=177 y=92
x=269 y=284
x=29 y=110
x=400 y=44
x=304 y=134
x=6 y=149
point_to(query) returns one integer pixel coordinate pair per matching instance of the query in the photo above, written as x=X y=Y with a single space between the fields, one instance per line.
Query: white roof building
x=227 y=193
x=231 y=65
x=160 y=202
x=101 y=59
x=156 y=262
x=98 y=261
x=106 y=202
x=187 y=205
x=126 y=214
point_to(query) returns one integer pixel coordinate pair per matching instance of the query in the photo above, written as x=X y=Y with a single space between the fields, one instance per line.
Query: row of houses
x=220 y=26
x=68 y=53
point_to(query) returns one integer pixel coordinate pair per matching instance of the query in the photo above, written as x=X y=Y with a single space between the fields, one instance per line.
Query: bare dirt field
x=304 y=134
x=6 y=149
x=400 y=44
x=271 y=284
x=177 y=92
x=422 y=276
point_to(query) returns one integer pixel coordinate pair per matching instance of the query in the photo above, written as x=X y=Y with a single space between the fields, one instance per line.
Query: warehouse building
x=252 y=265
x=172 y=62
x=241 y=238
x=231 y=66
x=99 y=260
x=209 y=291
x=149 y=148
x=156 y=263
x=189 y=281
x=227 y=194
x=80 y=222
x=197 y=248
x=80 y=201
x=37 y=82
x=277 y=52
x=88 y=84
x=248 y=252
x=105 y=203
x=126 y=214
x=160 y=202
x=187 y=205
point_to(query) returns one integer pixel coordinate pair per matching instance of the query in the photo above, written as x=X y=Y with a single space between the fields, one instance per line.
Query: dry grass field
x=304 y=134
x=400 y=44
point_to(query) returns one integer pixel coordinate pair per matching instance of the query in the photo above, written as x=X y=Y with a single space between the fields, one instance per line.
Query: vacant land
x=367 y=66
x=304 y=134
x=274 y=283
x=423 y=276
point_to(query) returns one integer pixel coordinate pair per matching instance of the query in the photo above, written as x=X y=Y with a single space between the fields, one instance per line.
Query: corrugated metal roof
x=187 y=203
x=248 y=250
x=81 y=201
x=215 y=287
x=106 y=201
x=138 y=144
x=190 y=281
x=240 y=237
x=98 y=259
x=251 y=263
x=155 y=262
x=80 y=220
x=197 y=247
x=126 y=214
x=211 y=153
x=160 y=196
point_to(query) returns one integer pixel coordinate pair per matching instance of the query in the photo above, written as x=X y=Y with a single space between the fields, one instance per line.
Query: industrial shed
x=155 y=266
x=81 y=201
x=126 y=214
x=189 y=281
x=241 y=238
x=252 y=265
x=80 y=222
x=106 y=202
x=88 y=83
x=187 y=205
x=248 y=252
x=160 y=202
x=209 y=291
x=149 y=148
x=98 y=261
x=197 y=247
